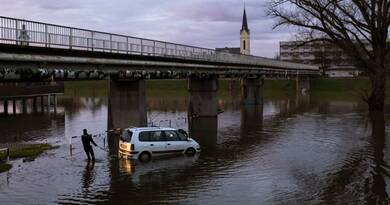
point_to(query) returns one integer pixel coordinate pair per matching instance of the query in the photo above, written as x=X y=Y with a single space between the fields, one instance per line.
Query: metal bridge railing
x=31 y=33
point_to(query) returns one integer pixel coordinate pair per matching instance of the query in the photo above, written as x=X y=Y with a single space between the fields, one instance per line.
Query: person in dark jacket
x=87 y=140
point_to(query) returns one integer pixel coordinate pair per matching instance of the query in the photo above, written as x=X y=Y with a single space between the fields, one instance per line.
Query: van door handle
x=168 y=144
x=151 y=144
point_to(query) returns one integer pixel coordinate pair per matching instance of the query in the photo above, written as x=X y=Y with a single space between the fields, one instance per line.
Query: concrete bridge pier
x=48 y=103
x=252 y=91
x=24 y=106
x=126 y=107
x=203 y=96
x=5 y=103
x=34 y=104
x=203 y=110
x=55 y=103
x=302 y=84
x=252 y=105
x=42 y=104
x=14 y=106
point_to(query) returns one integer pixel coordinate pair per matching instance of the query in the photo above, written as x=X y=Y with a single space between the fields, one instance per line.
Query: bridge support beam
x=34 y=104
x=48 y=103
x=302 y=84
x=14 y=106
x=5 y=106
x=24 y=106
x=126 y=107
x=203 y=110
x=127 y=104
x=252 y=91
x=42 y=104
x=55 y=103
x=203 y=96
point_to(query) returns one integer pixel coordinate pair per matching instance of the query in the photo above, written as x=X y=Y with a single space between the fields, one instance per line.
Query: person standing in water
x=87 y=140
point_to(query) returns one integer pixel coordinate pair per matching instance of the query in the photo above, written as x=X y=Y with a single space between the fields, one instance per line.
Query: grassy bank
x=351 y=86
x=340 y=84
x=86 y=88
x=4 y=167
x=24 y=151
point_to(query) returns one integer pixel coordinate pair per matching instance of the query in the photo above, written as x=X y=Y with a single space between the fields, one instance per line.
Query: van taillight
x=132 y=147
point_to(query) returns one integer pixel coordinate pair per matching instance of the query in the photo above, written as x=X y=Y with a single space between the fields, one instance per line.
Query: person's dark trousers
x=89 y=151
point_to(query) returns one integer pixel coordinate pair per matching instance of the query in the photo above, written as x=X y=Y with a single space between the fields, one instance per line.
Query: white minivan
x=143 y=143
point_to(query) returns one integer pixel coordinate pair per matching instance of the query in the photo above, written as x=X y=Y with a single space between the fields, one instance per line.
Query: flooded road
x=304 y=150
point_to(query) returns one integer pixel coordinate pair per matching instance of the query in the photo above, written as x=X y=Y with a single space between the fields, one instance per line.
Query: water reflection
x=204 y=131
x=377 y=186
x=292 y=150
x=32 y=127
x=88 y=175
x=251 y=119
x=152 y=172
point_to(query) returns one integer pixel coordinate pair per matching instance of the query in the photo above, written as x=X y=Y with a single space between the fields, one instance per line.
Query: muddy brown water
x=304 y=150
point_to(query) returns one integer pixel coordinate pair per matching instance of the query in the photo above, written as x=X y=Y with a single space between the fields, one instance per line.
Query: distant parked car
x=144 y=143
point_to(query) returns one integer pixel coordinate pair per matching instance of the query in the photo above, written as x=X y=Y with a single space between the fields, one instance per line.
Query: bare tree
x=358 y=27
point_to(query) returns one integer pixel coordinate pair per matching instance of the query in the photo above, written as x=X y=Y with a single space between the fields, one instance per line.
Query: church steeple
x=244 y=23
x=245 y=36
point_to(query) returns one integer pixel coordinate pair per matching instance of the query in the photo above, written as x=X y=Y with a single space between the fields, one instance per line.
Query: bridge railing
x=31 y=33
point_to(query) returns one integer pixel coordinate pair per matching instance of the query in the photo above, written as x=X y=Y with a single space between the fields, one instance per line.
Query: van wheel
x=144 y=157
x=190 y=151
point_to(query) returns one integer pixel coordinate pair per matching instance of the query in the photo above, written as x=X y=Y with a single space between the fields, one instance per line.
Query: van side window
x=156 y=136
x=172 y=136
x=144 y=136
x=126 y=135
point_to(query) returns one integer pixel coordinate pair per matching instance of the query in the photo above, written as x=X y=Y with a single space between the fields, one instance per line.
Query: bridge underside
x=19 y=63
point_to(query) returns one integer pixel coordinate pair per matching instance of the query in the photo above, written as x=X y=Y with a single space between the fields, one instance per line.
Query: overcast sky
x=206 y=23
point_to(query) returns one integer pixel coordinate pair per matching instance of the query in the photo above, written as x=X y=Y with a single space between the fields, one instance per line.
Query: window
x=172 y=136
x=144 y=136
x=244 y=44
x=156 y=136
x=126 y=136
x=151 y=136
x=183 y=135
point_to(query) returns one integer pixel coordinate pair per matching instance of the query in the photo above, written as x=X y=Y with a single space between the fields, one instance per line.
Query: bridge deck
x=30 y=34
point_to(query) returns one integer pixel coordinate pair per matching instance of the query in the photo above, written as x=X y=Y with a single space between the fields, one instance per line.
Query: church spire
x=245 y=46
x=244 y=23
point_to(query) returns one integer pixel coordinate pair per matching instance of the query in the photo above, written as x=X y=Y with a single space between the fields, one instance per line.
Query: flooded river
x=311 y=149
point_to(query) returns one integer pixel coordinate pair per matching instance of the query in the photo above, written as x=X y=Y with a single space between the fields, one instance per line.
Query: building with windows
x=244 y=40
x=331 y=59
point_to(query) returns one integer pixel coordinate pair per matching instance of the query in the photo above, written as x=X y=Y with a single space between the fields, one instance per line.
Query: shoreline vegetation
x=353 y=87
x=29 y=151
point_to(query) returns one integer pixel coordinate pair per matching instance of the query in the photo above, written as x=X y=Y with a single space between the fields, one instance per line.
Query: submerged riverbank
x=17 y=151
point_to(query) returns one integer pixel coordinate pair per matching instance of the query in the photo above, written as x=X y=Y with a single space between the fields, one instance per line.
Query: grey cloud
x=59 y=5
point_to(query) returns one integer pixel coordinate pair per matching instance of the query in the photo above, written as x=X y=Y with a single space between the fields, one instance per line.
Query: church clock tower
x=245 y=37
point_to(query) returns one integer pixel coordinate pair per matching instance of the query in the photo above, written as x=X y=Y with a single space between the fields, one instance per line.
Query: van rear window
x=126 y=136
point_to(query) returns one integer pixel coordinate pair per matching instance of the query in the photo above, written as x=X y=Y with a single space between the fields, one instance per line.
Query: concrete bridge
x=35 y=51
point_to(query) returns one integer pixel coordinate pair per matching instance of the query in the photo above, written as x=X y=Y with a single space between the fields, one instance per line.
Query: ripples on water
x=308 y=154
